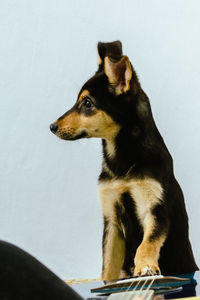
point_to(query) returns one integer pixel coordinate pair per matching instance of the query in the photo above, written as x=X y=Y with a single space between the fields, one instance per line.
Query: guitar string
x=148 y=288
x=135 y=288
x=146 y=295
x=128 y=288
x=141 y=288
x=151 y=283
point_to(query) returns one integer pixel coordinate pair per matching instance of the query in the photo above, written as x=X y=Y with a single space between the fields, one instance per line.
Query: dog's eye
x=88 y=103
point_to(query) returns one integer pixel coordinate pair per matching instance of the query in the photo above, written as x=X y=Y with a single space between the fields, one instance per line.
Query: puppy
x=145 y=220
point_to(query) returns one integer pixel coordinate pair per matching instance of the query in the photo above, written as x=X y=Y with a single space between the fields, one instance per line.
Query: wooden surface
x=81 y=280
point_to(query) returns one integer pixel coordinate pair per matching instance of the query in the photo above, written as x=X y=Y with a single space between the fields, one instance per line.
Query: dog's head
x=105 y=102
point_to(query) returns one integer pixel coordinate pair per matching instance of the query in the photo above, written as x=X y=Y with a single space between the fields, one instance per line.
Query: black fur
x=141 y=152
x=133 y=231
x=140 y=147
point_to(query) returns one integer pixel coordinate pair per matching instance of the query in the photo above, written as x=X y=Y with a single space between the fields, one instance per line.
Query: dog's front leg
x=113 y=251
x=147 y=254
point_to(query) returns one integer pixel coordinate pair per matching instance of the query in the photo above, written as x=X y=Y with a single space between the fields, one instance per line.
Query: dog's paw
x=146 y=270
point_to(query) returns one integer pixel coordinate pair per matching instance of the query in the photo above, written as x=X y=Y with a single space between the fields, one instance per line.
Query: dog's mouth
x=69 y=134
x=71 y=137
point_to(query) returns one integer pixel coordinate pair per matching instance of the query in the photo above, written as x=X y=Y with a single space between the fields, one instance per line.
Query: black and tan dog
x=145 y=221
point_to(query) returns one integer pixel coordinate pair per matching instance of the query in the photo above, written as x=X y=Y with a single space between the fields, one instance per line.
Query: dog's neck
x=124 y=155
x=119 y=155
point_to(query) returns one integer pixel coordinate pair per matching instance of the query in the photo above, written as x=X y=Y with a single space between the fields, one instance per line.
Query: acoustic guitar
x=143 y=288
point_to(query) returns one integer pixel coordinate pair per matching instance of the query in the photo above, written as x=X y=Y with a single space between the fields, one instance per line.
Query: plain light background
x=48 y=199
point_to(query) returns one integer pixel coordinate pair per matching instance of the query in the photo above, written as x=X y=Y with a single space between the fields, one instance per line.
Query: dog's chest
x=145 y=194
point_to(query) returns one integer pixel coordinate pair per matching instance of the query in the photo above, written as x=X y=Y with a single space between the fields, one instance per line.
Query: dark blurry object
x=23 y=277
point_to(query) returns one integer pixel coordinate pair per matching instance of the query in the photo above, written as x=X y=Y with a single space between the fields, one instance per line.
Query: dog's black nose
x=53 y=127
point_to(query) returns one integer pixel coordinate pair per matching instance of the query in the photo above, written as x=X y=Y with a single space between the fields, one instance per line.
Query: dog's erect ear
x=113 y=49
x=119 y=74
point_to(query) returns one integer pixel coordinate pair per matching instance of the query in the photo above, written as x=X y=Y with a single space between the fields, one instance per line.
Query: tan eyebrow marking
x=83 y=95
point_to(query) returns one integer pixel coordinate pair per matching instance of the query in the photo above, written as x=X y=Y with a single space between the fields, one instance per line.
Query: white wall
x=48 y=201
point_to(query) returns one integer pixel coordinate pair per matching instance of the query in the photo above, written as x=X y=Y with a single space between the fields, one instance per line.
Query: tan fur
x=117 y=70
x=123 y=274
x=146 y=193
x=83 y=94
x=106 y=169
x=110 y=193
x=100 y=60
x=97 y=125
x=110 y=148
x=114 y=251
x=68 y=124
x=114 y=245
x=147 y=255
